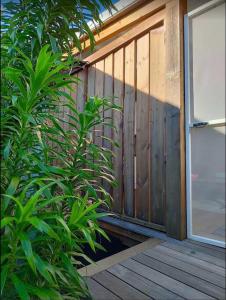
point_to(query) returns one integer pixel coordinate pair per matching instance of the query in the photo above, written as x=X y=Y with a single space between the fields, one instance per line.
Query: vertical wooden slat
x=91 y=85
x=99 y=91
x=108 y=93
x=157 y=98
x=128 y=129
x=81 y=90
x=91 y=81
x=175 y=172
x=142 y=130
x=118 y=122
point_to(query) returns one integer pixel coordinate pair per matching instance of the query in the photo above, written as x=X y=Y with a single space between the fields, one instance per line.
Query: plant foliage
x=50 y=168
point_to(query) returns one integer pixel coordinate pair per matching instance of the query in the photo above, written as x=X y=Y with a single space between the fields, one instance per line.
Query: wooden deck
x=159 y=269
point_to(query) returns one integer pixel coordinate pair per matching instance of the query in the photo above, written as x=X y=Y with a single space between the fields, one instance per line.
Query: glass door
x=205 y=122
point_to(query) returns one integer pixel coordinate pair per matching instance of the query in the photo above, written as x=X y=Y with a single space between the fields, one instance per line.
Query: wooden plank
x=118 y=123
x=98 y=292
x=192 y=261
x=108 y=93
x=186 y=267
x=175 y=164
x=213 y=260
x=142 y=202
x=216 y=248
x=142 y=284
x=188 y=279
x=99 y=92
x=127 y=37
x=120 y=288
x=206 y=250
x=165 y=281
x=157 y=98
x=107 y=262
x=81 y=90
x=128 y=128
x=91 y=81
x=125 y=19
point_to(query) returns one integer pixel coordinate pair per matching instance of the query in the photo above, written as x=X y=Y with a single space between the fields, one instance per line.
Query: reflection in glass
x=208 y=182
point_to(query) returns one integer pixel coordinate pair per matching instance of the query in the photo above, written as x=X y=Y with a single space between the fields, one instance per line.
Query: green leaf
x=39 y=32
x=7 y=220
x=64 y=224
x=42 y=226
x=10 y=191
x=27 y=248
x=43 y=269
x=4 y=274
x=20 y=287
x=44 y=293
x=6 y=150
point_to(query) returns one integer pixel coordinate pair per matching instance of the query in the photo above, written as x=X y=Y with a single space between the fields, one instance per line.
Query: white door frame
x=189 y=125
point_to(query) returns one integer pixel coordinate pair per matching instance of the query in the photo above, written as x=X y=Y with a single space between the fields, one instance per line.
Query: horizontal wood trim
x=127 y=37
x=134 y=14
x=143 y=223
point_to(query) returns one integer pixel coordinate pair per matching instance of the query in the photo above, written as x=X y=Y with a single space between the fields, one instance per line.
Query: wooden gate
x=141 y=70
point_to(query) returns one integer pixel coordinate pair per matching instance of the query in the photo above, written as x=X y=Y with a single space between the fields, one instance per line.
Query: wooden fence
x=142 y=70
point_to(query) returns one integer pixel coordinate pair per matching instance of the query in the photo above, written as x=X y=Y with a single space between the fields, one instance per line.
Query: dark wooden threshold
x=132 y=230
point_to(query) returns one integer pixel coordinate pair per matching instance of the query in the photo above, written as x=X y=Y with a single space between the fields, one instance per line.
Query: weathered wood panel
x=91 y=81
x=175 y=170
x=81 y=90
x=157 y=125
x=118 y=123
x=142 y=131
x=128 y=128
x=142 y=71
x=99 y=91
x=107 y=114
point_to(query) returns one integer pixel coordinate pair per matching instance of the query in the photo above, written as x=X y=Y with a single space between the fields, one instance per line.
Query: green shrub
x=50 y=176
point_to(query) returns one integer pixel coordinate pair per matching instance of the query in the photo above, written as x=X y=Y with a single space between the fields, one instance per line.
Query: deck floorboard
x=166 y=270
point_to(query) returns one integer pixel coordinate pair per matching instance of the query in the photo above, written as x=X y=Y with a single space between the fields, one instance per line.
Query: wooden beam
x=106 y=263
x=175 y=160
x=121 y=21
x=141 y=28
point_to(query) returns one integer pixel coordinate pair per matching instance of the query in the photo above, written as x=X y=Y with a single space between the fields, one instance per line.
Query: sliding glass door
x=205 y=122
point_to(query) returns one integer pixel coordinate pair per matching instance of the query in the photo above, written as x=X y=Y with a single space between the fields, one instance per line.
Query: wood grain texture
x=181 y=276
x=108 y=94
x=186 y=257
x=141 y=28
x=81 y=90
x=128 y=129
x=142 y=130
x=118 y=133
x=99 y=292
x=157 y=124
x=165 y=281
x=212 y=278
x=127 y=19
x=91 y=81
x=175 y=171
x=114 y=284
x=142 y=284
x=99 y=92
x=159 y=272
x=200 y=255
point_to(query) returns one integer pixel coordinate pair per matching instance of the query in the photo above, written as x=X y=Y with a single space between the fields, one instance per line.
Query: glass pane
x=208 y=65
x=208 y=182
